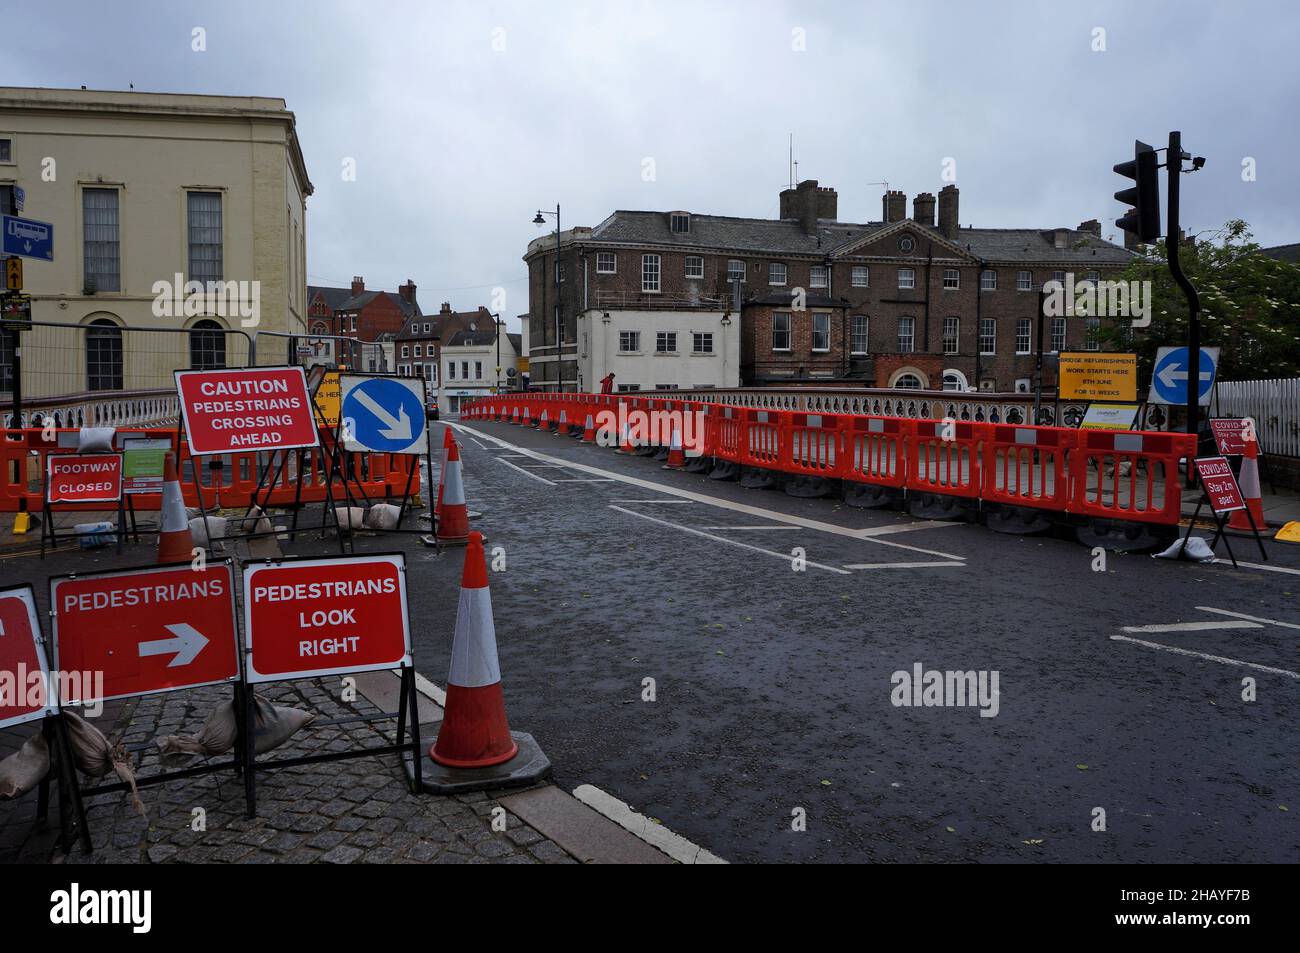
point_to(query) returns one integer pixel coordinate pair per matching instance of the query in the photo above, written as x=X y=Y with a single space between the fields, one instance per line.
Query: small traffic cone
x=514 y=418
x=562 y=425
x=453 y=520
x=474 y=732
x=1248 y=480
x=589 y=431
x=175 y=544
x=625 y=440
x=541 y=423
x=447 y=441
x=676 y=458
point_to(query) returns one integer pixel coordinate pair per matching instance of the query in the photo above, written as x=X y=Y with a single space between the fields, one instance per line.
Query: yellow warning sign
x=13 y=274
x=327 y=400
x=1098 y=376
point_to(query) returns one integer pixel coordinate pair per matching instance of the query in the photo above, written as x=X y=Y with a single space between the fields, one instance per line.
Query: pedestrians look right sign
x=148 y=630
x=382 y=414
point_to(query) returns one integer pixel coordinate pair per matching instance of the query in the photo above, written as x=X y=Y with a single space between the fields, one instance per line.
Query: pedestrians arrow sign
x=382 y=414
x=1170 y=373
x=187 y=643
x=139 y=628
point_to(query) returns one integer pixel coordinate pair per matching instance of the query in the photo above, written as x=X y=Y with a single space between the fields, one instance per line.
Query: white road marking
x=756 y=511
x=899 y=565
x=674 y=845
x=586 y=480
x=542 y=466
x=1212 y=658
x=523 y=471
x=722 y=539
x=905 y=527
x=652 y=501
x=1252 y=618
x=783 y=526
x=1191 y=626
x=1242 y=562
x=481 y=445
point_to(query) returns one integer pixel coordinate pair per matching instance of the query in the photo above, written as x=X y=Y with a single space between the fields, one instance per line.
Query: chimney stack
x=446 y=308
x=1091 y=226
x=948 y=221
x=407 y=292
x=808 y=203
x=358 y=285
x=923 y=209
x=894 y=206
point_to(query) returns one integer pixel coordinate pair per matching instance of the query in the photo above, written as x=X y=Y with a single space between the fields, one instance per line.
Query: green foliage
x=1250 y=306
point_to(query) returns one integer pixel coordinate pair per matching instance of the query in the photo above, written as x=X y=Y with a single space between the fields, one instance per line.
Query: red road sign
x=255 y=408
x=1220 y=485
x=322 y=616
x=83 y=477
x=1230 y=433
x=147 y=630
x=24 y=672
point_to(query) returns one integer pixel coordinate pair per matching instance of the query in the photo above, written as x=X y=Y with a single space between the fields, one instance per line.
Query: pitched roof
x=1289 y=253
x=357 y=302
x=447 y=325
x=786 y=236
x=333 y=297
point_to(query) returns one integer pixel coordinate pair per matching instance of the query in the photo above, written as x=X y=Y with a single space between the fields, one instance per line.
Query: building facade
x=148 y=193
x=369 y=320
x=907 y=301
x=658 y=349
x=463 y=354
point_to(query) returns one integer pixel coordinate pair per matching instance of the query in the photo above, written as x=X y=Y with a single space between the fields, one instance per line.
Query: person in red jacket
x=607 y=383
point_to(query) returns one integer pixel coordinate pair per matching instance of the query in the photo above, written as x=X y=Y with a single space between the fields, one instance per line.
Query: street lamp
x=539 y=221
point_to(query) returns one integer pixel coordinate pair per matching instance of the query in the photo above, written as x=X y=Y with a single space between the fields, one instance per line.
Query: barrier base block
x=865 y=496
x=936 y=506
x=1119 y=536
x=724 y=470
x=527 y=767
x=756 y=478
x=1017 y=520
x=696 y=464
x=808 y=487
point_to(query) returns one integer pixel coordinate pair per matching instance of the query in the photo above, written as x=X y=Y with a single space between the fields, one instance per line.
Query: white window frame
x=416 y=352
x=663 y=338
x=684 y=218
x=731 y=271
x=1024 y=281
x=634 y=337
x=772 y=267
x=951 y=279
x=1058 y=334
x=906 y=279
x=701 y=337
x=451 y=370
x=954 y=338
x=1092 y=334
x=863 y=272
x=822 y=318
x=988 y=280
x=406 y=350
x=600 y=263
x=819 y=276
x=789 y=330
x=699 y=260
x=993 y=337
x=1025 y=334
x=854 y=336
x=650 y=274
x=906 y=332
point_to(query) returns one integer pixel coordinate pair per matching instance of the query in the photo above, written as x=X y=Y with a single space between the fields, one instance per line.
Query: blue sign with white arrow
x=1171 y=371
x=27 y=237
x=382 y=414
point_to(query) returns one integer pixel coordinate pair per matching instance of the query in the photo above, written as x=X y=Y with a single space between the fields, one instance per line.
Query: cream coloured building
x=141 y=188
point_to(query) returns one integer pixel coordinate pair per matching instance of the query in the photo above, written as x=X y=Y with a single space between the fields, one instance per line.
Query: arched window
x=207 y=346
x=954 y=379
x=103 y=355
x=908 y=381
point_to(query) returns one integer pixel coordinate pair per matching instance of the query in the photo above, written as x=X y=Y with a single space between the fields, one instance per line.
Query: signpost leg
x=1255 y=529
x=1191 y=526
x=68 y=782
x=417 y=749
x=250 y=756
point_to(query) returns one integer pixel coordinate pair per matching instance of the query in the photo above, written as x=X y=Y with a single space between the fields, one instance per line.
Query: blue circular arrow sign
x=384 y=415
x=1169 y=377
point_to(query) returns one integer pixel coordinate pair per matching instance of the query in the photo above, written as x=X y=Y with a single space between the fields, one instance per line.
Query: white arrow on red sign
x=187 y=644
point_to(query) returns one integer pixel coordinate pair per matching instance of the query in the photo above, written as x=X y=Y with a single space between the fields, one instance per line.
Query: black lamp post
x=540 y=220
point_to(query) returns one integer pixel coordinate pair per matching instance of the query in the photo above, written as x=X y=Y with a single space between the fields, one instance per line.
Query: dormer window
x=679 y=222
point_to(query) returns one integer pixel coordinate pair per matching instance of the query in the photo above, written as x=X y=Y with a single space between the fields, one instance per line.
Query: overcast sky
x=464 y=118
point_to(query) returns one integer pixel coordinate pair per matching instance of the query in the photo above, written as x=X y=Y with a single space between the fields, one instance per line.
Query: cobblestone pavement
x=352 y=811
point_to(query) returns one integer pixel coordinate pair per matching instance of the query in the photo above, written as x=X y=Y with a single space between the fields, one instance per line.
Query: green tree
x=1250 y=306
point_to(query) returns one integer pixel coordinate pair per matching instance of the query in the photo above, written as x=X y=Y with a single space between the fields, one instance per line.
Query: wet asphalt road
x=773 y=687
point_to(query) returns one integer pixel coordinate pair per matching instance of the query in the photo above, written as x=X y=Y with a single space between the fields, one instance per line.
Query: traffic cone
x=175 y=544
x=625 y=440
x=541 y=423
x=447 y=441
x=1248 y=480
x=562 y=426
x=453 y=520
x=589 y=431
x=474 y=732
x=676 y=458
x=514 y=418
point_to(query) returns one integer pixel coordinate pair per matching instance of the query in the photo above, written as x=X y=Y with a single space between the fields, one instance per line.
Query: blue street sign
x=1169 y=376
x=382 y=414
x=31 y=239
x=20 y=198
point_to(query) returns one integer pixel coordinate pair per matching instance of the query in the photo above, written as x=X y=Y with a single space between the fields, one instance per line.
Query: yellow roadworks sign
x=1098 y=376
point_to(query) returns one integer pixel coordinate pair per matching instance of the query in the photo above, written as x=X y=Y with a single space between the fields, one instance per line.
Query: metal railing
x=642 y=301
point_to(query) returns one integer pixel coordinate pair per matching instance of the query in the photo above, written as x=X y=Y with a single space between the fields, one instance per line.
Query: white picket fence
x=1275 y=405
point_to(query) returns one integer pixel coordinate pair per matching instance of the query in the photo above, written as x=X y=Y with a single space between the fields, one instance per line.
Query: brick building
x=907 y=301
x=373 y=317
x=459 y=353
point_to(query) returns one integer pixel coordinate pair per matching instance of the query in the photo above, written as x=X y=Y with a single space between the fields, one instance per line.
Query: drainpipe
x=979 y=320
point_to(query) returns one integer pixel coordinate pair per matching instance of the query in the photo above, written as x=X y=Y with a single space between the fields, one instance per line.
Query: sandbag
x=95 y=756
x=199 y=531
x=261 y=547
x=382 y=516
x=1197 y=550
x=95 y=439
x=272 y=727
x=24 y=769
x=350 y=517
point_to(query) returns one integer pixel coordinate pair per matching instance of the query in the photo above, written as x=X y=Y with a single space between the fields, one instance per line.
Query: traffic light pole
x=1174 y=164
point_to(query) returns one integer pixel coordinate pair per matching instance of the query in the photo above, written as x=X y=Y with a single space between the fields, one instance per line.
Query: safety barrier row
x=1118 y=475
x=230 y=479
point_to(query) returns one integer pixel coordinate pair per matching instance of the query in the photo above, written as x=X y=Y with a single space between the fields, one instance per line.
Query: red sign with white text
x=255 y=408
x=24 y=674
x=320 y=616
x=83 y=477
x=1220 y=484
x=148 y=630
x=1230 y=433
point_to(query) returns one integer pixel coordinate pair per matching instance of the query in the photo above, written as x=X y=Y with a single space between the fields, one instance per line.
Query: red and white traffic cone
x=625 y=440
x=175 y=543
x=453 y=521
x=589 y=431
x=676 y=457
x=562 y=425
x=447 y=441
x=542 y=422
x=1248 y=480
x=514 y=417
x=474 y=732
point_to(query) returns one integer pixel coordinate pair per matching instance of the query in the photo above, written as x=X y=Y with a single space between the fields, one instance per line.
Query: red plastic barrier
x=1027 y=466
x=814 y=443
x=875 y=451
x=762 y=441
x=1129 y=475
x=944 y=457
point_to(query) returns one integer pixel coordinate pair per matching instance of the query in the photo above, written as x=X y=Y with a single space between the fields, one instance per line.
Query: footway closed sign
x=308 y=617
x=83 y=477
x=148 y=630
x=255 y=408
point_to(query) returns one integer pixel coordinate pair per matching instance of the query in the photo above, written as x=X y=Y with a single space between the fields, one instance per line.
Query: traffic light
x=1143 y=199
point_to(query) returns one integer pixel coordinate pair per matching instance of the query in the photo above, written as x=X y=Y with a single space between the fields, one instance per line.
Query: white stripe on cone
x=474 y=647
x=453 y=489
x=173 y=509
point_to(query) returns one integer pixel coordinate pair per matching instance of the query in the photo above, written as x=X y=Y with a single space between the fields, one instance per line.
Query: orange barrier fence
x=1125 y=475
x=229 y=479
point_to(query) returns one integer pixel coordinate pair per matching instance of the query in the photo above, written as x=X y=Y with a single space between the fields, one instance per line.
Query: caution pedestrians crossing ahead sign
x=306 y=617
x=24 y=671
x=147 y=630
x=83 y=478
x=383 y=414
x=253 y=408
